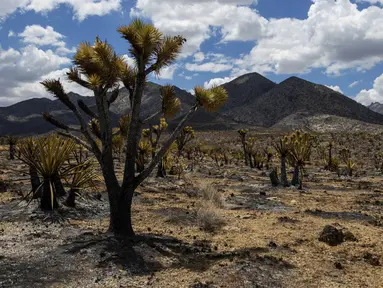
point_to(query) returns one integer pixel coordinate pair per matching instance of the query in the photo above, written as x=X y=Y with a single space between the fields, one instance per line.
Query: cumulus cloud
x=208 y=67
x=81 y=8
x=196 y=20
x=21 y=71
x=217 y=82
x=375 y=94
x=40 y=36
x=335 y=36
x=335 y=88
x=168 y=72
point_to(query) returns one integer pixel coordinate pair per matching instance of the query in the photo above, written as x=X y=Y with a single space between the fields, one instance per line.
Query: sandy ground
x=270 y=236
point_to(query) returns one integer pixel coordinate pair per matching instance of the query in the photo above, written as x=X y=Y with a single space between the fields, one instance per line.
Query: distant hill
x=254 y=102
x=296 y=95
x=376 y=107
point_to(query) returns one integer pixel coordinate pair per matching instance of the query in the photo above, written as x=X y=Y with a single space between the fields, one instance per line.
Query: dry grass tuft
x=209 y=217
x=209 y=193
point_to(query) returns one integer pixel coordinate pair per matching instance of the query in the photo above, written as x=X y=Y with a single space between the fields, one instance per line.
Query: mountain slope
x=297 y=95
x=244 y=89
x=376 y=107
x=254 y=101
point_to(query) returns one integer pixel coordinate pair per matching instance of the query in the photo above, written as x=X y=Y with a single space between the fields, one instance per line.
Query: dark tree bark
x=48 y=196
x=250 y=160
x=295 y=180
x=284 y=180
x=161 y=171
x=274 y=178
x=12 y=151
x=121 y=211
x=35 y=183
x=58 y=186
x=245 y=153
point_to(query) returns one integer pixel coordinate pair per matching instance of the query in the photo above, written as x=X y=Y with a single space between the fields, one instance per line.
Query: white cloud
x=335 y=88
x=217 y=81
x=40 y=36
x=81 y=8
x=353 y=84
x=336 y=36
x=199 y=57
x=21 y=70
x=129 y=60
x=366 y=97
x=168 y=72
x=208 y=67
x=197 y=20
x=11 y=33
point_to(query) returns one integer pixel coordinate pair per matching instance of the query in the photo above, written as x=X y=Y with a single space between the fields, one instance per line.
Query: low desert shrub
x=209 y=218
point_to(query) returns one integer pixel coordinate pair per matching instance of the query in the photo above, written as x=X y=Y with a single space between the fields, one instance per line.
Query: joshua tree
x=144 y=150
x=185 y=136
x=242 y=134
x=300 y=145
x=98 y=68
x=269 y=155
x=12 y=141
x=345 y=155
x=155 y=133
x=282 y=148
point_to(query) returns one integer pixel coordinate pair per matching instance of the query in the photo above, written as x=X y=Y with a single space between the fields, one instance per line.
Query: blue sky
x=338 y=43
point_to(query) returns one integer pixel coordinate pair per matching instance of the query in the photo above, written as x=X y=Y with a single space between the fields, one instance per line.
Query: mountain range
x=254 y=102
x=377 y=107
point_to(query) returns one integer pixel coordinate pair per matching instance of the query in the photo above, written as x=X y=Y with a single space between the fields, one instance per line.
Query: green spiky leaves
x=55 y=87
x=211 y=99
x=171 y=105
x=99 y=63
x=148 y=45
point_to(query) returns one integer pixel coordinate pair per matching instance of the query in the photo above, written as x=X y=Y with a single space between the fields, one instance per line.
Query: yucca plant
x=300 y=145
x=282 y=147
x=98 y=68
x=50 y=155
x=82 y=176
x=242 y=135
x=30 y=145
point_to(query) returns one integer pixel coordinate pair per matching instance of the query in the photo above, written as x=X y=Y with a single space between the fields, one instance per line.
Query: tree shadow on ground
x=147 y=254
x=343 y=215
x=41 y=272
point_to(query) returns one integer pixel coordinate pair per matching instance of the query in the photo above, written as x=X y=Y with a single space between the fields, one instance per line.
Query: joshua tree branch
x=75 y=138
x=150 y=118
x=86 y=109
x=113 y=96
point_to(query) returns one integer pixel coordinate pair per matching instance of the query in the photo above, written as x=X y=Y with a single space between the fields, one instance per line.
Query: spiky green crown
x=211 y=99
